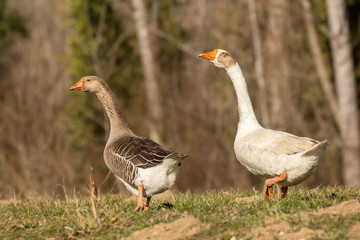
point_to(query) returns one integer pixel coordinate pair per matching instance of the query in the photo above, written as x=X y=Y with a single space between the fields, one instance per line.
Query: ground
x=321 y=213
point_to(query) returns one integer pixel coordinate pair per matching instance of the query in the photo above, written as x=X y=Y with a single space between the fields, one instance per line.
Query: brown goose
x=142 y=165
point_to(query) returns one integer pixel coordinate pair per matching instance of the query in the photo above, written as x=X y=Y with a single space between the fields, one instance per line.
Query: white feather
x=266 y=152
x=155 y=179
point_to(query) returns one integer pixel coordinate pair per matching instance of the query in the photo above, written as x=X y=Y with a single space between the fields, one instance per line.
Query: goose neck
x=246 y=112
x=118 y=125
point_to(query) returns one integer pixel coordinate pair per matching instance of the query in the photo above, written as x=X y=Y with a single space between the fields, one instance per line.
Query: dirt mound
x=344 y=208
x=182 y=228
x=304 y=233
x=275 y=229
x=283 y=230
x=354 y=232
x=278 y=227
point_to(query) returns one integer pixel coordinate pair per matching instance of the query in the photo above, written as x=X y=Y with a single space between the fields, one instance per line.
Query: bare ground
x=354 y=232
x=189 y=226
x=280 y=228
x=182 y=228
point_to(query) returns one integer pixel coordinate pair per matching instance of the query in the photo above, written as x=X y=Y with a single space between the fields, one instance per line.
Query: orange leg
x=270 y=185
x=146 y=207
x=269 y=191
x=141 y=206
x=284 y=190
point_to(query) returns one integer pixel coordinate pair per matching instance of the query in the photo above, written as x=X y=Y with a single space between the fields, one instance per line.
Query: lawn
x=321 y=213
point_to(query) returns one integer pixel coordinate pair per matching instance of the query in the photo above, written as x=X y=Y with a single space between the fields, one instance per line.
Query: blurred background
x=301 y=60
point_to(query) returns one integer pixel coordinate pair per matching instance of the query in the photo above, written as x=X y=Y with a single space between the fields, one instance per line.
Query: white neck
x=246 y=113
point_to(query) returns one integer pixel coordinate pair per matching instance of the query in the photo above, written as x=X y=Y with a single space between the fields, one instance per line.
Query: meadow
x=302 y=75
x=320 y=213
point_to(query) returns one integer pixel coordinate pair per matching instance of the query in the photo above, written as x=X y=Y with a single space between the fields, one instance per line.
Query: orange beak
x=77 y=86
x=209 y=55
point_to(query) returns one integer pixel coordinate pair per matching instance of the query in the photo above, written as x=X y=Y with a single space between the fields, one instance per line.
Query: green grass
x=223 y=214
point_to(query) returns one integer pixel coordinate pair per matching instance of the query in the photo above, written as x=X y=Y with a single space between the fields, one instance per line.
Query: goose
x=142 y=165
x=281 y=158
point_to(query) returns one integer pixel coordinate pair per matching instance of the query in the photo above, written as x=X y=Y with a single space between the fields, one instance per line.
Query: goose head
x=90 y=84
x=220 y=58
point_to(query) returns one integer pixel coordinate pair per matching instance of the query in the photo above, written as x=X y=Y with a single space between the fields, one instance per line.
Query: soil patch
x=344 y=208
x=354 y=232
x=304 y=233
x=270 y=231
x=281 y=229
x=182 y=228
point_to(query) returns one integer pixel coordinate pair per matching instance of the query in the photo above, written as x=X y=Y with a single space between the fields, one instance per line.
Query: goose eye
x=87 y=80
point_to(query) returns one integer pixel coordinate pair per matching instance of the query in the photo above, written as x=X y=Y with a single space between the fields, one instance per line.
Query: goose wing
x=140 y=152
x=279 y=143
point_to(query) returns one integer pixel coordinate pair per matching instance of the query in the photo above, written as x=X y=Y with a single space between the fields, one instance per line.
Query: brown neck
x=118 y=124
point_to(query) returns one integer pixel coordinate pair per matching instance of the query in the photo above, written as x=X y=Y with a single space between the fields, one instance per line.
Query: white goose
x=279 y=157
x=143 y=166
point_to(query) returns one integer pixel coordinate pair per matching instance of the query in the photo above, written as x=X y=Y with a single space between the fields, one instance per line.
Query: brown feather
x=141 y=152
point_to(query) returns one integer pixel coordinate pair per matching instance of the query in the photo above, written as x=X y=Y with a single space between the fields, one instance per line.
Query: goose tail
x=317 y=149
x=176 y=158
x=179 y=156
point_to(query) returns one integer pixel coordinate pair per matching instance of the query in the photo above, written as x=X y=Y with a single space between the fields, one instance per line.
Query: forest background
x=301 y=60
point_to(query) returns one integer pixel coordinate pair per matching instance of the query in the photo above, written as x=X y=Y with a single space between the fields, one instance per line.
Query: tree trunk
x=278 y=64
x=259 y=70
x=320 y=65
x=346 y=90
x=147 y=58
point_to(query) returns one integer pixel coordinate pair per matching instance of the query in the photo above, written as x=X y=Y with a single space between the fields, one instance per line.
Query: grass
x=223 y=213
